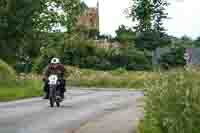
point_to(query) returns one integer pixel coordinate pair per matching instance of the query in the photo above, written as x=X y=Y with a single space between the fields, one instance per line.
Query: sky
x=184 y=14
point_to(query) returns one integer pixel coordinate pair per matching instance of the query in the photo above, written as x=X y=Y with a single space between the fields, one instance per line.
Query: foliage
x=126 y=36
x=85 y=55
x=174 y=58
x=141 y=12
x=56 y=13
x=131 y=59
x=51 y=46
x=40 y=64
x=172 y=103
x=7 y=74
x=159 y=15
x=151 y=40
x=150 y=14
x=77 y=49
x=15 y=27
x=197 y=42
x=23 y=23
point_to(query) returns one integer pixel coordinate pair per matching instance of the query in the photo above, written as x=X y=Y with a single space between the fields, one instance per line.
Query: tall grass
x=110 y=79
x=172 y=104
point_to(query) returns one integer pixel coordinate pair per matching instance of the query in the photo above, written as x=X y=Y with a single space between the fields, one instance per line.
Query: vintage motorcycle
x=54 y=91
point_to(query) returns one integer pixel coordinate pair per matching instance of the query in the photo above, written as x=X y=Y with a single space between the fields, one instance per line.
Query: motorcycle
x=54 y=91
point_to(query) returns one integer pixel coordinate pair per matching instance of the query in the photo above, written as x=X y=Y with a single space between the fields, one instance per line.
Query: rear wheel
x=58 y=104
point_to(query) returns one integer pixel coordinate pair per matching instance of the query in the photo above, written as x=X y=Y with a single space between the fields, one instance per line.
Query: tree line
x=29 y=31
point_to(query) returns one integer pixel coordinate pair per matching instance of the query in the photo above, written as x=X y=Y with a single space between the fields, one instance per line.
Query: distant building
x=106 y=44
x=88 y=22
x=88 y=26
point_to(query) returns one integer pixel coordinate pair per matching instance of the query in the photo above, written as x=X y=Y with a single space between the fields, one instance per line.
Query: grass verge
x=13 y=90
x=110 y=79
x=172 y=103
x=20 y=89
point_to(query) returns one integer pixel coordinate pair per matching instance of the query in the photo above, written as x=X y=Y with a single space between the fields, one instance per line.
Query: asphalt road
x=82 y=111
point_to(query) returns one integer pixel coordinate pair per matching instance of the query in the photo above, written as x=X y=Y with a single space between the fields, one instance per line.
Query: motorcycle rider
x=55 y=67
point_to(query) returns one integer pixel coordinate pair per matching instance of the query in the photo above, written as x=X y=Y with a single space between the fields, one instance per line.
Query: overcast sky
x=185 y=17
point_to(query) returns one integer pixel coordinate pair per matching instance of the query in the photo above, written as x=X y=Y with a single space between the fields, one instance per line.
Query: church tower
x=98 y=16
x=89 y=20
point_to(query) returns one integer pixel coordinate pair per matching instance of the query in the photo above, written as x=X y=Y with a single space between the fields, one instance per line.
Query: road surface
x=83 y=111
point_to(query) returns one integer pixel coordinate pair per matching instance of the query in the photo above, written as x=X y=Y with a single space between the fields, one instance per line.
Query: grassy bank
x=20 y=89
x=12 y=89
x=172 y=103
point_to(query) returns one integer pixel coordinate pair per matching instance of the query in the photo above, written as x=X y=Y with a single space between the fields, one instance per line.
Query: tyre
x=51 y=102
x=58 y=104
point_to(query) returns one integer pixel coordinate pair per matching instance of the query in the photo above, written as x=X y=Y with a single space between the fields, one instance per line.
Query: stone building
x=88 y=22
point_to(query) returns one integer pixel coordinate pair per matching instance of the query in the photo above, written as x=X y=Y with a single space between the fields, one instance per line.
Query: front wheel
x=51 y=99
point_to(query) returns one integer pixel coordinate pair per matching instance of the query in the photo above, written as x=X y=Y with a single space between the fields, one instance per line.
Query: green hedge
x=89 y=56
x=174 y=58
x=85 y=54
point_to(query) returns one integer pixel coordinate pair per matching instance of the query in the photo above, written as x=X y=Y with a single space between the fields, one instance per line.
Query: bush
x=90 y=61
x=40 y=64
x=136 y=60
x=85 y=54
x=7 y=73
x=174 y=58
x=76 y=53
x=173 y=104
x=104 y=64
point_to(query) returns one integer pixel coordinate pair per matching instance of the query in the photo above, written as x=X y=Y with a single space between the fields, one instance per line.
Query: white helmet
x=55 y=61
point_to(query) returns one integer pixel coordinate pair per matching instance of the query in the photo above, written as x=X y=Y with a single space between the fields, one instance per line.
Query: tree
x=83 y=6
x=151 y=40
x=159 y=14
x=141 y=12
x=150 y=31
x=57 y=13
x=15 y=26
x=197 y=42
x=23 y=22
x=73 y=9
x=6 y=6
x=125 y=35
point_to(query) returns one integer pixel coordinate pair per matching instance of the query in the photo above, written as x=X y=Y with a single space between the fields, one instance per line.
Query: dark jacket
x=57 y=69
